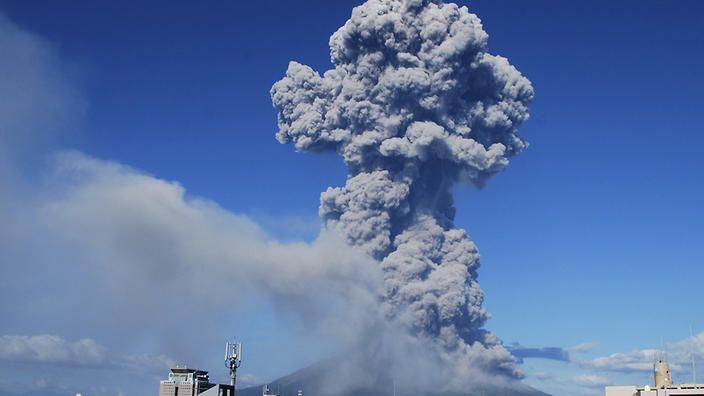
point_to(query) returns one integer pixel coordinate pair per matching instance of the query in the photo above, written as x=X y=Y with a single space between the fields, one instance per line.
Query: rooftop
x=186 y=370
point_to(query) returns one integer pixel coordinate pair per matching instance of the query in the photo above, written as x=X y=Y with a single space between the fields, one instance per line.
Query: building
x=663 y=386
x=267 y=392
x=191 y=382
x=669 y=390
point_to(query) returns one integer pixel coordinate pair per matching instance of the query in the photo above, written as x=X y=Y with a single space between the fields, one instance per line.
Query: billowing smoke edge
x=414 y=104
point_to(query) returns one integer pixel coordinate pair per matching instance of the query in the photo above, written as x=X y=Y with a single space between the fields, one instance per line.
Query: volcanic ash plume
x=413 y=105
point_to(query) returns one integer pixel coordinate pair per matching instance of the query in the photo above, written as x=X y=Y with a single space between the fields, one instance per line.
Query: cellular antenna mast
x=233 y=359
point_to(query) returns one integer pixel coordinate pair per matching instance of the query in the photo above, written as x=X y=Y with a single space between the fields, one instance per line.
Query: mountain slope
x=312 y=381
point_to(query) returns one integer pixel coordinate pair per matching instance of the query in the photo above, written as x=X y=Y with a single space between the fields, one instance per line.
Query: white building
x=191 y=382
x=670 y=390
x=663 y=386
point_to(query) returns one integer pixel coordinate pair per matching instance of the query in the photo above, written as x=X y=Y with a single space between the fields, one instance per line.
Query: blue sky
x=592 y=235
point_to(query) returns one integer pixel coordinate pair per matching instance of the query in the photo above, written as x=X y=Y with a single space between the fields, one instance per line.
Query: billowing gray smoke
x=414 y=105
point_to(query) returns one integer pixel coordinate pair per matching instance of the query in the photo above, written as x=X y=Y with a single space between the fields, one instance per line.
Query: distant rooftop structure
x=663 y=385
x=670 y=390
x=184 y=381
x=267 y=392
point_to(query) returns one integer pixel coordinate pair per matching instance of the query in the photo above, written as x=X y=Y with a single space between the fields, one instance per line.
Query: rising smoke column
x=414 y=104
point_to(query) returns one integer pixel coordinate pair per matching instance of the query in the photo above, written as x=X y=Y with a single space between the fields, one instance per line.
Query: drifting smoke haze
x=110 y=248
x=414 y=104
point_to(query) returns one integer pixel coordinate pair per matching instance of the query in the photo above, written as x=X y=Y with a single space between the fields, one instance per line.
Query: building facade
x=669 y=390
x=191 y=382
x=663 y=385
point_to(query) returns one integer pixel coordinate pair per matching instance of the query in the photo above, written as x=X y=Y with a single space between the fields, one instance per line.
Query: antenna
x=694 y=371
x=233 y=360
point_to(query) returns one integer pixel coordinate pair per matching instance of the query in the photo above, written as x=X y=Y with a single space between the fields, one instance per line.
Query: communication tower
x=233 y=359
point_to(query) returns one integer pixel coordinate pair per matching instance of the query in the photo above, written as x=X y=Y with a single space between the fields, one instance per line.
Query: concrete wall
x=621 y=391
x=176 y=390
x=632 y=391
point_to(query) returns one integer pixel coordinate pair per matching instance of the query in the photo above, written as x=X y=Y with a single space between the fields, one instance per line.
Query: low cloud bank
x=679 y=355
x=562 y=369
x=52 y=349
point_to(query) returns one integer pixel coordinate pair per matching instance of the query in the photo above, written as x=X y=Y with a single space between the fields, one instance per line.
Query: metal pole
x=694 y=371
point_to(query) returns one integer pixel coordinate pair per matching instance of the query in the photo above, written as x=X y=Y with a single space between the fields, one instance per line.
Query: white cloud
x=590 y=391
x=52 y=349
x=638 y=360
x=247 y=379
x=584 y=347
x=681 y=351
x=678 y=355
x=591 y=380
x=589 y=376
